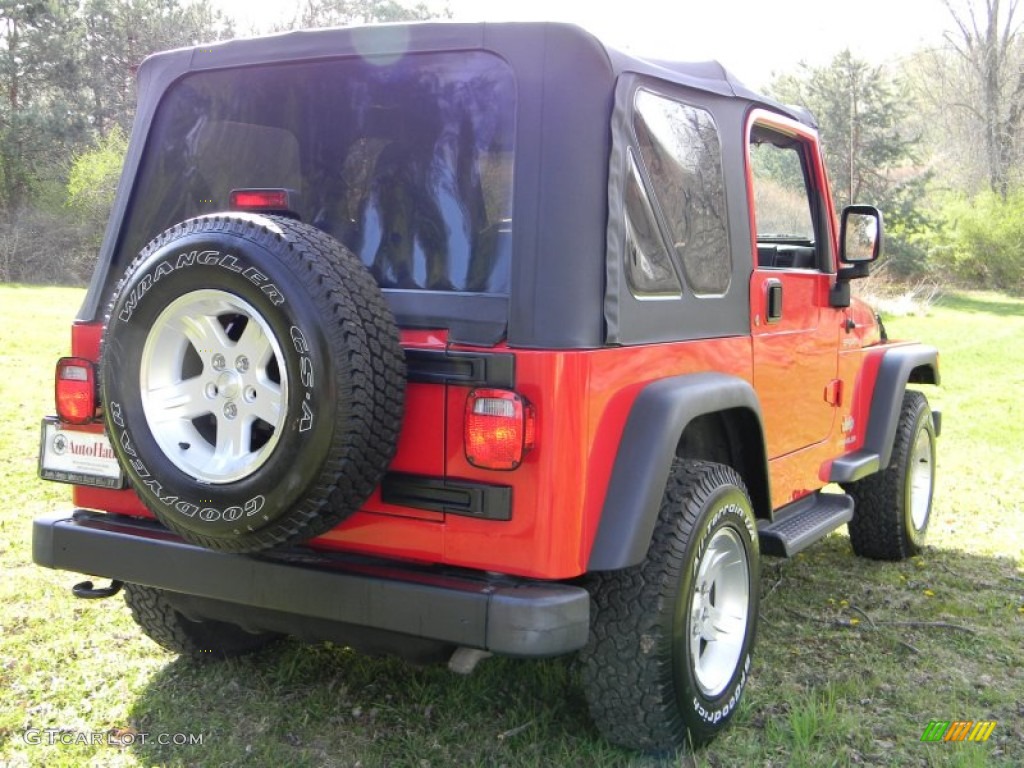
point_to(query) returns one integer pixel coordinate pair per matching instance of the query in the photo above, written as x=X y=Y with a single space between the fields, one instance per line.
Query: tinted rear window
x=408 y=163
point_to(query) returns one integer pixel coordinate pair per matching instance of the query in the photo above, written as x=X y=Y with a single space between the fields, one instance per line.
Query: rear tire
x=671 y=639
x=204 y=640
x=893 y=507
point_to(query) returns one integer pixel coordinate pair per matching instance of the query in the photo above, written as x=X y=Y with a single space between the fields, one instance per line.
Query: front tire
x=893 y=507
x=671 y=639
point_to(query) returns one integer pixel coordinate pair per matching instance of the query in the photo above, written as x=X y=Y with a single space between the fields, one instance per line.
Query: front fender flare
x=895 y=371
x=660 y=414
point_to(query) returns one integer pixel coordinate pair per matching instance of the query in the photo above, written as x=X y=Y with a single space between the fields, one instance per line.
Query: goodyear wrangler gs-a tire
x=252 y=381
x=671 y=639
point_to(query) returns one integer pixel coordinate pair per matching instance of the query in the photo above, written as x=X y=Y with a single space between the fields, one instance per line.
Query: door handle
x=773 y=300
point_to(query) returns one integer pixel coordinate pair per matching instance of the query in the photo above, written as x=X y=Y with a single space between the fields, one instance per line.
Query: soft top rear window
x=407 y=162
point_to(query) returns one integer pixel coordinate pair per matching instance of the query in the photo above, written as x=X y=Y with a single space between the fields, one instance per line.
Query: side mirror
x=860 y=235
x=860 y=243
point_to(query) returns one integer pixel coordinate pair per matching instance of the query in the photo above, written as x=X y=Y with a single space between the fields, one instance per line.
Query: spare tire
x=252 y=381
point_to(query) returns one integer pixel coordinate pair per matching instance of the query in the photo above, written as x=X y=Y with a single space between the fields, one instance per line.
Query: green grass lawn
x=854 y=657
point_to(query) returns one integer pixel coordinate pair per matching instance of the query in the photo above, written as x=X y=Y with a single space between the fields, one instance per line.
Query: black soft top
x=506 y=38
x=566 y=80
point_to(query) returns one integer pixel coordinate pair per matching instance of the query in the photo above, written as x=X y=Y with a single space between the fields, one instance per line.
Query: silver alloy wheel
x=214 y=386
x=719 y=612
x=922 y=470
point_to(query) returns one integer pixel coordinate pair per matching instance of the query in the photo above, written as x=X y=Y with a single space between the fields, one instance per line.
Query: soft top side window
x=681 y=152
x=649 y=269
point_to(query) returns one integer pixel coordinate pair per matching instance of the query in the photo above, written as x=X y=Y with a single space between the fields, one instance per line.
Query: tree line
x=67 y=100
x=937 y=142
x=67 y=70
x=936 y=139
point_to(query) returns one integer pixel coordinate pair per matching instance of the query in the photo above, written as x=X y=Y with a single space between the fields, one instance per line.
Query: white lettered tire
x=252 y=381
x=671 y=639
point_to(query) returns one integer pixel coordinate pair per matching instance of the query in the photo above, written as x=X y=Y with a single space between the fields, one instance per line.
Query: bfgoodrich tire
x=671 y=639
x=204 y=640
x=252 y=381
x=892 y=508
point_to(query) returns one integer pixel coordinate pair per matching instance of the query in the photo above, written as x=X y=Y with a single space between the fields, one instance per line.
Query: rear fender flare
x=656 y=422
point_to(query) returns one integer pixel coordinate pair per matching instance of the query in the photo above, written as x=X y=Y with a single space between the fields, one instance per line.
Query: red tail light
x=500 y=428
x=76 y=390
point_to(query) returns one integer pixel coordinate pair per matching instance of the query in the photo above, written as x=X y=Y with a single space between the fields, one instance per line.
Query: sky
x=752 y=39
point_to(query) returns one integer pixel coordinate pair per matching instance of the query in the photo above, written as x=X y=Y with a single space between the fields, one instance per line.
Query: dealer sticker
x=83 y=458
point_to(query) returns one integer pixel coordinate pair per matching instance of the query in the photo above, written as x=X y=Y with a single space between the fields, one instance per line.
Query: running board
x=798 y=525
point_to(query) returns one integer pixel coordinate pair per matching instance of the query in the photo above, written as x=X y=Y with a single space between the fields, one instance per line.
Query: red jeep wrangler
x=465 y=339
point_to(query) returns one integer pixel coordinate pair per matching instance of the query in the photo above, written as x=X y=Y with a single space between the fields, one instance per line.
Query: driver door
x=795 y=332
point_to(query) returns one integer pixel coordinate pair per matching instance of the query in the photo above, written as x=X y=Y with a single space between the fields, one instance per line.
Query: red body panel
x=582 y=400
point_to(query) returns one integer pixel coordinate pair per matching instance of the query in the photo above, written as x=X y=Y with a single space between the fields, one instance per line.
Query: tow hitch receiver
x=87 y=591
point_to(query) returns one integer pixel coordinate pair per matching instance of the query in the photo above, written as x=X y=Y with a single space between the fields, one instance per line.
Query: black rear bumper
x=502 y=615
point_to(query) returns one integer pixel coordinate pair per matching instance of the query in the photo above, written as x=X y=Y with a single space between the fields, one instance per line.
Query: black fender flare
x=656 y=422
x=894 y=373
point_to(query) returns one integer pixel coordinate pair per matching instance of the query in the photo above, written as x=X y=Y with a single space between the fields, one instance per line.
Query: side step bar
x=798 y=525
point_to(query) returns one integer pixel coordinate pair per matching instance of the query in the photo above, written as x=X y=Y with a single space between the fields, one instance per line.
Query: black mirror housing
x=860 y=244
x=860 y=236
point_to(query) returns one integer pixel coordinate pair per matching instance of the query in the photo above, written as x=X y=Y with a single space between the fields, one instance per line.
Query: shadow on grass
x=854 y=659
x=973 y=303
x=298 y=705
